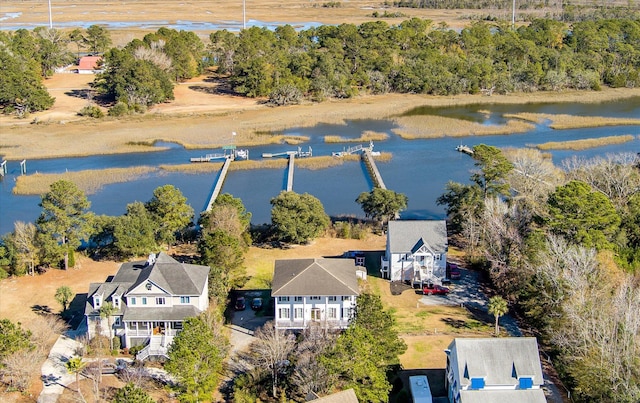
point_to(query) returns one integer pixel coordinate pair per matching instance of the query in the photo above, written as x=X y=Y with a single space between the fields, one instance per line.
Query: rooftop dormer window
x=97 y=301
x=525 y=382
x=116 y=301
x=148 y=286
x=477 y=383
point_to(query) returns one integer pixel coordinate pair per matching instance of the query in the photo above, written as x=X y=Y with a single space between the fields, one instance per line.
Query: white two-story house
x=321 y=291
x=494 y=370
x=416 y=251
x=151 y=298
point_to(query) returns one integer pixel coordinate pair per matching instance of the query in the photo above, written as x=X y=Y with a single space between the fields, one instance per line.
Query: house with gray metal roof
x=151 y=298
x=416 y=251
x=319 y=291
x=494 y=370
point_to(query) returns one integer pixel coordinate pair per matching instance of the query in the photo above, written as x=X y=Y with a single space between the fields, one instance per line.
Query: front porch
x=303 y=324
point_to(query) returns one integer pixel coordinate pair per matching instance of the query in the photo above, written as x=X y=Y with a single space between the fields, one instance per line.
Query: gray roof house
x=151 y=300
x=321 y=291
x=416 y=251
x=494 y=370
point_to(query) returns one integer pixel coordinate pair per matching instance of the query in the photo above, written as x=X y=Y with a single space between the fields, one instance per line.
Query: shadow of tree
x=41 y=309
x=455 y=323
x=84 y=93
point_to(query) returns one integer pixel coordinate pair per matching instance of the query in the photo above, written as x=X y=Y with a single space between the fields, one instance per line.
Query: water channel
x=419 y=168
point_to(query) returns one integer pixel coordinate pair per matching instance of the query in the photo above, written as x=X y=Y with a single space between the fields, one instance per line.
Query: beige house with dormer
x=151 y=298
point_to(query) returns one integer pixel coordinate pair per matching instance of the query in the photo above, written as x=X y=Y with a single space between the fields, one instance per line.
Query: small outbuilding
x=89 y=65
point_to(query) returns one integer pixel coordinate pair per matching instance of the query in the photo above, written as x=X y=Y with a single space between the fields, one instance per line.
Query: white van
x=420 y=391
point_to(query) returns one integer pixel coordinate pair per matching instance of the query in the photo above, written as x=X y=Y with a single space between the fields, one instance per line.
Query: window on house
x=144 y=300
x=314 y=298
x=346 y=298
x=297 y=299
x=477 y=383
x=160 y=301
x=346 y=313
x=298 y=313
x=283 y=313
x=283 y=299
x=438 y=256
x=117 y=321
x=116 y=302
x=132 y=300
x=185 y=300
x=332 y=313
x=333 y=298
x=315 y=314
x=525 y=382
x=97 y=301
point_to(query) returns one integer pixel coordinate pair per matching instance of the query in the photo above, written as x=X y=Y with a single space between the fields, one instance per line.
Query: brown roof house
x=321 y=291
x=152 y=298
x=89 y=65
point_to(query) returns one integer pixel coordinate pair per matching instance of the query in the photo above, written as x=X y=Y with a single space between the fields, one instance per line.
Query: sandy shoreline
x=211 y=125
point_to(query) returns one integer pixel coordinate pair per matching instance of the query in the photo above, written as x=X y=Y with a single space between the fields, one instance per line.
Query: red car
x=431 y=289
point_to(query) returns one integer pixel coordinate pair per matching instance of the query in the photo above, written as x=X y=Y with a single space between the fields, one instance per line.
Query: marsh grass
x=585 y=143
x=366 y=136
x=89 y=181
x=193 y=168
x=429 y=126
x=563 y=122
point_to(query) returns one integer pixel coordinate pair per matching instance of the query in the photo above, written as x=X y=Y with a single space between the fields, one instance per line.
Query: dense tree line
x=416 y=57
x=562 y=246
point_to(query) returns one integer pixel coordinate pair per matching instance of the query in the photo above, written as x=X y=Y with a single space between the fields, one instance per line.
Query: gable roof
x=502 y=396
x=167 y=273
x=88 y=62
x=409 y=235
x=499 y=361
x=322 y=276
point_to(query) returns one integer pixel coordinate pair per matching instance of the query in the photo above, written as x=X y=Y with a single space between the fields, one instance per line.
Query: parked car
x=256 y=304
x=434 y=289
x=453 y=271
x=241 y=304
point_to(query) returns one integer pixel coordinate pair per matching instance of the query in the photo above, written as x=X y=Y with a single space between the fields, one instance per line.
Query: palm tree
x=75 y=366
x=106 y=311
x=497 y=307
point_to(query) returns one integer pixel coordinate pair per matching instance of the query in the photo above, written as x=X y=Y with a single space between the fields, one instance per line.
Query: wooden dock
x=367 y=157
x=217 y=186
x=299 y=153
x=465 y=149
x=292 y=158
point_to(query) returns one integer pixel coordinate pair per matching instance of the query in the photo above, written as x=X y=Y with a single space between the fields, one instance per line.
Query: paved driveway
x=244 y=324
x=467 y=292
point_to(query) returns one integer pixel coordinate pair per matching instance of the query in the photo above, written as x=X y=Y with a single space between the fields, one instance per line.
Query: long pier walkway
x=217 y=186
x=292 y=158
x=373 y=169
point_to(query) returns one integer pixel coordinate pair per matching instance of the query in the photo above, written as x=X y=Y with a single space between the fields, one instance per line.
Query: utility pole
x=513 y=15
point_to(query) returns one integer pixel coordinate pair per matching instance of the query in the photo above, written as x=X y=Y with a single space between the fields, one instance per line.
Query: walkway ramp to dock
x=217 y=186
x=367 y=157
x=292 y=158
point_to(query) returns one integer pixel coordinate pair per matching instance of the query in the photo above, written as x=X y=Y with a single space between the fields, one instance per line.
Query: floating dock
x=367 y=157
x=299 y=154
x=465 y=149
x=230 y=152
x=217 y=186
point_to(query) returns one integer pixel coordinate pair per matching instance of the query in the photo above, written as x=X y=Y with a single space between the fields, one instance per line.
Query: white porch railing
x=303 y=324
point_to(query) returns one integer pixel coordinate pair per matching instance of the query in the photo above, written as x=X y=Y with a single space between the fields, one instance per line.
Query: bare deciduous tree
x=309 y=374
x=271 y=351
x=17 y=369
x=615 y=175
x=24 y=236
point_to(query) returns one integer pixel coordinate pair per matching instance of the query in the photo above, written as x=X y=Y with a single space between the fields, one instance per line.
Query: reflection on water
x=419 y=168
